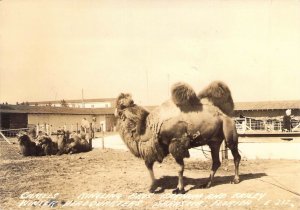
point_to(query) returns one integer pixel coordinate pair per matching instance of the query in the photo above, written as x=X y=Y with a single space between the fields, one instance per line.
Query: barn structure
x=255 y=115
x=267 y=115
x=78 y=103
x=22 y=116
x=267 y=108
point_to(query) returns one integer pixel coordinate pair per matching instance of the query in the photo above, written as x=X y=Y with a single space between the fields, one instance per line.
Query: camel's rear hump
x=220 y=95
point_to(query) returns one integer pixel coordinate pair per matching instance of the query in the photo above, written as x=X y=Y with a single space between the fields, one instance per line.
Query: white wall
x=59 y=120
x=249 y=150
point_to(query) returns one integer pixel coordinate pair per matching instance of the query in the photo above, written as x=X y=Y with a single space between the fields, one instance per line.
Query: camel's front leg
x=180 y=186
x=153 y=185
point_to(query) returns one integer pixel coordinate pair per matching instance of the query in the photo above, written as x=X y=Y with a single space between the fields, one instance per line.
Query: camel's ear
x=119 y=99
x=21 y=133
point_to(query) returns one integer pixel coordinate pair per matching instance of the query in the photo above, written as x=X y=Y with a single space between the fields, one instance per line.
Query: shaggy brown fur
x=74 y=143
x=220 y=95
x=46 y=145
x=79 y=143
x=62 y=138
x=124 y=100
x=42 y=145
x=132 y=126
x=184 y=95
x=27 y=147
x=179 y=148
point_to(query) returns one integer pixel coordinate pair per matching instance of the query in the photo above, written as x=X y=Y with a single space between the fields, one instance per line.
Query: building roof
x=111 y=100
x=266 y=105
x=54 y=110
x=239 y=106
x=261 y=105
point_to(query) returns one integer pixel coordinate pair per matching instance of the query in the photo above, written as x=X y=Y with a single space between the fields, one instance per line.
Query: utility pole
x=82 y=100
x=168 y=75
x=147 y=82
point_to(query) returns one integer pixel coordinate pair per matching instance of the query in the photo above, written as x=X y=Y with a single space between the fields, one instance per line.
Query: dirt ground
x=114 y=179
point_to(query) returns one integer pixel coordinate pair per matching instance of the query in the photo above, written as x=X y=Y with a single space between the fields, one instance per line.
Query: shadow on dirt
x=170 y=182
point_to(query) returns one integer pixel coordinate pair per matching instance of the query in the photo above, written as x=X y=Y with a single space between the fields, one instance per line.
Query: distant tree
x=6 y=103
x=63 y=103
x=27 y=103
x=17 y=103
x=49 y=104
x=36 y=104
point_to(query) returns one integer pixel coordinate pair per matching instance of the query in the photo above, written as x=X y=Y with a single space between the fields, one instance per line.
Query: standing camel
x=184 y=122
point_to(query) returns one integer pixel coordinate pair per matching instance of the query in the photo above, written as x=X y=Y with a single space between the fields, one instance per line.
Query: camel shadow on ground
x=170 y=182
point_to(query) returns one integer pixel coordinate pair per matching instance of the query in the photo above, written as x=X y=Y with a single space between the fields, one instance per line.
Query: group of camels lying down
x=185 y=121
x=64 y=143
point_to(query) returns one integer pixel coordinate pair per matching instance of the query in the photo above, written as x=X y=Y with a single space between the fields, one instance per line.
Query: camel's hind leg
x=231 y=138
x=215 y=148
x=153 y=185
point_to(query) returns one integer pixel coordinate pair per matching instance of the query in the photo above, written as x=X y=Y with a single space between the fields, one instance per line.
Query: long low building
x=268 y=109
x=22 y=116
x=77 y=103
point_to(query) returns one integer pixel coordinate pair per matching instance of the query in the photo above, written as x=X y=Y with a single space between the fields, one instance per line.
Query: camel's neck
x=129 y=136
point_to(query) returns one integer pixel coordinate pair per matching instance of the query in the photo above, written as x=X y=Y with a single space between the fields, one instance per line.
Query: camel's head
x=124 y=100
x=23 y=138
x=41 y=140
x=62 y=136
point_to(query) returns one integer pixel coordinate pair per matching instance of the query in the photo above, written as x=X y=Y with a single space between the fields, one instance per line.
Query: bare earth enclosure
x=114 y=179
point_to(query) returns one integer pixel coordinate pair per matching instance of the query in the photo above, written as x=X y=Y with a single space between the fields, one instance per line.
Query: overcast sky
x=51 y=50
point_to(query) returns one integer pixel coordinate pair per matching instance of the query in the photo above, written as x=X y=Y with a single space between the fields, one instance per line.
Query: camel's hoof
x=152 y=190
x=178 y=191
x=235 y=181
x=153 y=187
x=206 y=185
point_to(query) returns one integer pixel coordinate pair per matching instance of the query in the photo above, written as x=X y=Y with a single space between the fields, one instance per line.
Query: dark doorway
x=5 y=121
x=14 y=120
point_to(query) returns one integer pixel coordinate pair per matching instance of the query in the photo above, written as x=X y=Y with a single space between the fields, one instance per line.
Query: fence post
x=250 y=124
x=4 y=137
x=47 y=129
x=50 y=130
x=37 y=129
x=92 y=135
x=102 y=139
x=280 y=128
x=76 y=127
x=224 y=151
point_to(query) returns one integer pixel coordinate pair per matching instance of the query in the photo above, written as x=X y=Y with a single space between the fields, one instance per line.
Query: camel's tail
x=184 y=95
x=219 y=94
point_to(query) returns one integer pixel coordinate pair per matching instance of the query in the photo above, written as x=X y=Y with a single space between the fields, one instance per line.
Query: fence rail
x=250 y=124
x=12 y=132
x=44 y=128
x=242 y=124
